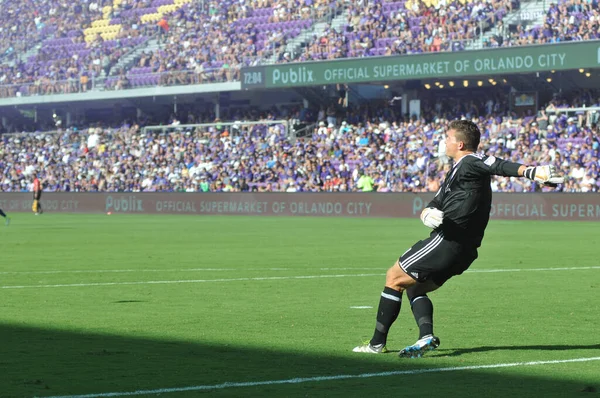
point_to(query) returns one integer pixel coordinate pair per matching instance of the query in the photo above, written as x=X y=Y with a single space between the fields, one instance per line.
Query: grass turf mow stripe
x=109 y=271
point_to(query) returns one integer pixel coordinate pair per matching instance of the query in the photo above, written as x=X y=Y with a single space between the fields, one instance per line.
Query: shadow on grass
x=42 y=362
x=128 y=301
x=462 y=351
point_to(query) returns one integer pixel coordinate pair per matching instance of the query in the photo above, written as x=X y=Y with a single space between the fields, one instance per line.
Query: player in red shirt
x=37 y=195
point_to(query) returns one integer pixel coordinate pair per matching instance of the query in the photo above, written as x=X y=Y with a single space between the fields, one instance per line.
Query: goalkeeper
x=458 y=216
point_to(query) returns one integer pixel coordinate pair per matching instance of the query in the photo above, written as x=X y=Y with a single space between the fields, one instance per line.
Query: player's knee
x=397 y=279
x=392 y=275
x=389 y=275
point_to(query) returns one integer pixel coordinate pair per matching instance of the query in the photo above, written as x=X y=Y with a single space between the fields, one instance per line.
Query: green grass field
x=182 y=306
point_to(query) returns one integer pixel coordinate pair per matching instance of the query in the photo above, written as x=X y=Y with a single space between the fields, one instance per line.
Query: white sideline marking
x=361 y=307
x=266 y=278
x=322 y=378
x=532 y=269
x=109 y=271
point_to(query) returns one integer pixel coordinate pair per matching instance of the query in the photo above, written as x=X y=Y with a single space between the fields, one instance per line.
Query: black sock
x=422 y=309
x=387 y=312
x=2 y=213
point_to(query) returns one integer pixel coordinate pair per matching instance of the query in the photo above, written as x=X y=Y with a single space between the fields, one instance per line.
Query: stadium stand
x=235 y=36
x=84 y=47
x=570 y=20
x=406 y=27
x=209 y=41
x=39 y=20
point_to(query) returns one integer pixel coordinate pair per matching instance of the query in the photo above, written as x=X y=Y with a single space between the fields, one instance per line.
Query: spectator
x=365 y=183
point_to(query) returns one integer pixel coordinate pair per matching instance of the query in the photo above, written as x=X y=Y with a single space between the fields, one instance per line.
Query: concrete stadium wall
x=548 y=206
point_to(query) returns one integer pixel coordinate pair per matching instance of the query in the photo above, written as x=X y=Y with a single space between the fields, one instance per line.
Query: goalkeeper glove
x=432 y=217
x=544 y=174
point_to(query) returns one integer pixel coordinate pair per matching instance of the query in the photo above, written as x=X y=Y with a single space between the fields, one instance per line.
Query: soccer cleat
x=368 y=348
x=422 y=345
x=7 y=221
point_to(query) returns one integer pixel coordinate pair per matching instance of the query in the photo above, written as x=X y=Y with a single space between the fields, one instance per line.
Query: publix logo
x=124 y=204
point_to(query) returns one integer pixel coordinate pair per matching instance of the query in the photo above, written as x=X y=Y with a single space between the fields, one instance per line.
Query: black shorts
x=437 y=259
x=37 y=196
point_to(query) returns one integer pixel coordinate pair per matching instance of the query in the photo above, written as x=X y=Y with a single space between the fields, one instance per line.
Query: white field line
x=268 y=278
x=117 y=271
x=265 y=278
x=532 y=269
x=323 y=378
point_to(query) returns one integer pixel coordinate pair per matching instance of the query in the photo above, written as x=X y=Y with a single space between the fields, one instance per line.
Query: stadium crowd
x=570 y=20
x=209 y=41
x=367 y=148
x=39 y=19
x=406 y=27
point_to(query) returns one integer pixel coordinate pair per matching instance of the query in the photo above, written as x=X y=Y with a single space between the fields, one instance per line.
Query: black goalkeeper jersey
x=465 y=197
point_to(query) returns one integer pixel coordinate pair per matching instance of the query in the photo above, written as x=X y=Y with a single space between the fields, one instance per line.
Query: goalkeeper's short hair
x=467 y=132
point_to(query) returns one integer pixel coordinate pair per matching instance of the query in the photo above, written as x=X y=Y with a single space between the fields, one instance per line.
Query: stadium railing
x=590 y=115
x=236 y=127
x=83 y=83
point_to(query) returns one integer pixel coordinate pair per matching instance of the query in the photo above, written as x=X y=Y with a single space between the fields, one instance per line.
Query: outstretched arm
x=493 y=166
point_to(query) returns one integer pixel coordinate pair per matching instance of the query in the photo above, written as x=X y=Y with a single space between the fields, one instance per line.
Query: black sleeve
x=490 y=165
